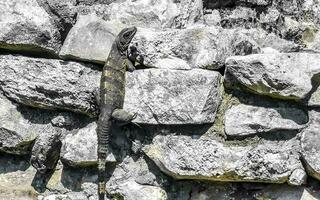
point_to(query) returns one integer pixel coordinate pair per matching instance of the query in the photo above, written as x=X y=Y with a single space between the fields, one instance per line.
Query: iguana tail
x=103 y=132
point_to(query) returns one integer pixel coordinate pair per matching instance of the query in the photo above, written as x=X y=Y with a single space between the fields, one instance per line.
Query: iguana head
x=124 y=38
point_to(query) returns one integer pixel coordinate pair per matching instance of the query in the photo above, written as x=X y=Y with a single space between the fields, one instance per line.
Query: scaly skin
x=112 y=90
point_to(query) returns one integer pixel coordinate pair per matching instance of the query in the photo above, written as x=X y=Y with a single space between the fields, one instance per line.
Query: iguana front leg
x=129 y=65
x=123 y=117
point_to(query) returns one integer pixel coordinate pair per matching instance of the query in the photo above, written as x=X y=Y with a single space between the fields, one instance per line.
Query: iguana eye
x=127 y=34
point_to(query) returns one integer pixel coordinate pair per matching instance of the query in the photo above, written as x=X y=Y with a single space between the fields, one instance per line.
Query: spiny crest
x=124 y=38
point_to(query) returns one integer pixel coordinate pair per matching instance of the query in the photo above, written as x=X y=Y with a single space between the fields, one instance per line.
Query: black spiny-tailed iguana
x=112 y=90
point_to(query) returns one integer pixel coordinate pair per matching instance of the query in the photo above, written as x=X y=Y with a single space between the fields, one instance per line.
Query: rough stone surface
x=135 y=179
x=254 y=119
x=203 y=46
x=184 y=158
x=173 y=96
x=194 y=47
x=46 y=152
x=227 y=191
x=25 y=26
x=90 y=39
x=21 y=126
x=310 y=144
x=80 y=149
x=158 y=13
x=285 y=76
x=48 y=83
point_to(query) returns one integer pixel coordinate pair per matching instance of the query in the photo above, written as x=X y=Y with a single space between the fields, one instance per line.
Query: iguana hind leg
x=123 y=117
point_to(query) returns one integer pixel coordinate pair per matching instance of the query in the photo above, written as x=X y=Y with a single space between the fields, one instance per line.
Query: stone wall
x=227 y=99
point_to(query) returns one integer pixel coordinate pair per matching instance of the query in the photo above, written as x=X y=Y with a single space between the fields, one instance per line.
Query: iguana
x=112 y=90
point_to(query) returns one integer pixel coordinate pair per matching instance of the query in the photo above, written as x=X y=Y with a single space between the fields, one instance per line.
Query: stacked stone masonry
x=227 y=99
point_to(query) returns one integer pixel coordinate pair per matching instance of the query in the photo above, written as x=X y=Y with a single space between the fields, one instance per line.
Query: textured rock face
x=184 y=158
x=256 y=119
x=310 y=144
x=285 y=76
x=173 y=96
x=26 y=26
x=158 y=13
x=197 y=128
x=48 y=83
x=90 y=39
x=132 y=179
x=19 y=127
x=195 y=47
x=46 y=152
x=80 y=149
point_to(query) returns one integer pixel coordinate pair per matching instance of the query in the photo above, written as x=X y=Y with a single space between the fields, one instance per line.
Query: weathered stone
x=203 y=47
x=25 y=26
x=67 y=196
x=256 y=119
x=269 y=40
x=184 y=158
x=80 y=149
x=285 y=76
x=158 y=13
x=134 y=178
x=16 y=177
x=196 y=47
x=90 y=39
x=132 y=190
x=310 y=144
x=20 y=126
x=48 y=83
x=173 y=96
x=298 y=177
x=227 y=191
x=46 y=152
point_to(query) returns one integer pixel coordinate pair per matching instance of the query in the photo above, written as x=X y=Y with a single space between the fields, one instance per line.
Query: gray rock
x=173 y=96
x=67 y=196
x=203 y=46
x=133 y=179
x=25 y=26
x=227 y=191
x=21 y=126
x=284 y=76
x=310 y=145
x=90 y=39
x=256 y=119
x=195 y=47
x=48 y=83
x=159 y=13
x=184 y=158
x=16 y=134
x=298 y=177
x=46 y=152
x=80 y=149
x=134 y=191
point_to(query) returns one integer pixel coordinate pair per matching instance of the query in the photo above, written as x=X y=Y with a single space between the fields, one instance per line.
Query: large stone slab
x=206 y=159
x=310 y=139
x=203 y=46
x=158 y=96
x=25 y=26
x=286 y=76
x=90 y=39
x=48 y=83
x=194 y=47
x=173 y=96
x=256 y=119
